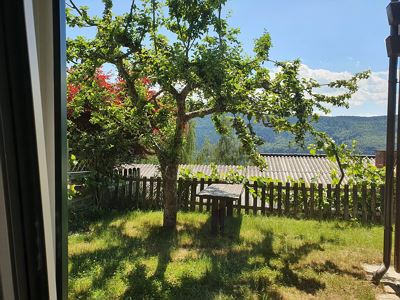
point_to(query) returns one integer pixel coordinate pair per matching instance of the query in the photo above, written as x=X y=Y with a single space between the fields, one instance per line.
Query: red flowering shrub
x=102 y=121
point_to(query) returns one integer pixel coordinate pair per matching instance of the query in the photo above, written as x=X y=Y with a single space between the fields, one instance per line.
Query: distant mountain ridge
x=370 y=133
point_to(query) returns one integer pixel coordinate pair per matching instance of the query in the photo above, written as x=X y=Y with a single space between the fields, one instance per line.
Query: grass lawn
x=129 y=256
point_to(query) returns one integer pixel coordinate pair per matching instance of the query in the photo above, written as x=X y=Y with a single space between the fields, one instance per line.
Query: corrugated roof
x=283 y=167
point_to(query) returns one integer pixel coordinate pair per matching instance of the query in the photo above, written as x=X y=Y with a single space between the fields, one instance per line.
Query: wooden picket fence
x=364 y=203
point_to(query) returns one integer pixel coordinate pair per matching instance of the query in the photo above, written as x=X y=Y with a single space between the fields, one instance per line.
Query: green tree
x=228 y=150
x=189 y=148
x=206 y=154
x=357 y=168
x=202 y=70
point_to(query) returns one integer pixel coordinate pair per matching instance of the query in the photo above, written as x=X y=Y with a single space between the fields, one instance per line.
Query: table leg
x=214 y=216
x=221 y=213
x=229 y=208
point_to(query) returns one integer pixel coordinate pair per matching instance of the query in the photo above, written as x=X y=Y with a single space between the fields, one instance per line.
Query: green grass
x=130 y=256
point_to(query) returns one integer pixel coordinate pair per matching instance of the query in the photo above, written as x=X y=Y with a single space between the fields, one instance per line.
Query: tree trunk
x=170 y=177
x=169 y=162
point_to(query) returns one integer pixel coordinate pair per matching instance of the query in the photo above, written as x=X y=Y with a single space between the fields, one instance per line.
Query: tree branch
x=186 y=91
x=153 y=6
x=219 y=25
x=340 y=168
x=154 y=97
x=88 y=21
x=125 y=75
x=201 y=113
x=130 y=16
x=173 y=91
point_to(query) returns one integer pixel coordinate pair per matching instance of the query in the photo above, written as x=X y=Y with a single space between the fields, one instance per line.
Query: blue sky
x=333 y=38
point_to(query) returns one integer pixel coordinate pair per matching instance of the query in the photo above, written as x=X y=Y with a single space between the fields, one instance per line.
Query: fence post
x=337 y=200
x=151 y=194
x=312 y=199
x=123 y=188
x=201 y=199
x=263 y=192
x=137 y=190
x=295 y=198
x=287 y=199
x=130 y=190
x=364 y=204
x=144 y=193
x=158 y=193
x=209 y=182
x=255 y=196
x=328 y=208
x=193 y=195
x=186 y=192
x=304 y=195
x=271 y=197
x=246 y=198
x=373 y=202
x=355 y=202
x=320 y=200
x=346 y=202
x=279 y=198
x=116 y=190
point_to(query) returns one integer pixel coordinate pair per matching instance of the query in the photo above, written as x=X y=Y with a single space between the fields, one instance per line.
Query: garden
x=136 y=85
x=131 y=256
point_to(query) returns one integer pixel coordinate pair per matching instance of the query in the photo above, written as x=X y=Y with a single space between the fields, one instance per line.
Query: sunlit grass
x=130 y=256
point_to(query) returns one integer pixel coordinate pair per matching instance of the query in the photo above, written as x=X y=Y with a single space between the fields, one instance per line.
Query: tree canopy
x=195 y=66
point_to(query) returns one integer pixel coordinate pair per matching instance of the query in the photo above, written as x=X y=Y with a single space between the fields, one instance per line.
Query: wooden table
x=222 y=197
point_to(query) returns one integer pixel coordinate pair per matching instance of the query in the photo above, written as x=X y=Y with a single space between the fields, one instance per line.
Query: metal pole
x=390 y=143
x=60 y=147
x=397 y=200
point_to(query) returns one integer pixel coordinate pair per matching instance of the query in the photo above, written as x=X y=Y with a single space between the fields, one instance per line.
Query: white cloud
x=371 y=91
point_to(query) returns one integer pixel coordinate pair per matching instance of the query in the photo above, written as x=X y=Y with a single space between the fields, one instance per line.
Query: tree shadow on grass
x=330 y=267
x=230 y=272
x=168 y=240
x=287 y=276
x=222 y=277
x=109 y=259
x=201 y=239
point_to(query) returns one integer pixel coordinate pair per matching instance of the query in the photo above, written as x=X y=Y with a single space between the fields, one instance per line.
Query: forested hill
x=370 y=133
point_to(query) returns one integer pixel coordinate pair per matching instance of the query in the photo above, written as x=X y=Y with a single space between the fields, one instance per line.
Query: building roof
x=282 y=167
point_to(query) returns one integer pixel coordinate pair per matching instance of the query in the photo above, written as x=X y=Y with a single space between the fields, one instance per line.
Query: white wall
x=39 y=22
x=44 y=37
